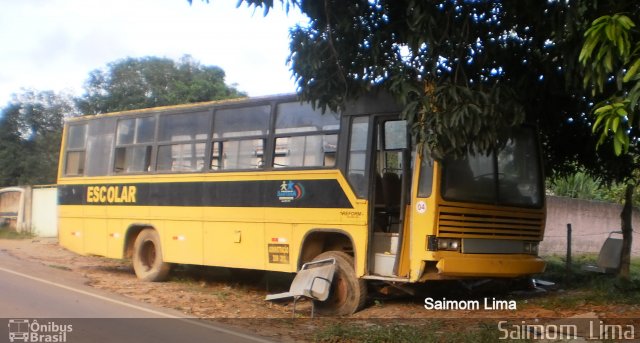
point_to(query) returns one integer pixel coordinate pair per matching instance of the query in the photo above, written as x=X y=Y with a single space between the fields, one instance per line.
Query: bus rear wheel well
x=132 y=233
x=320 y=241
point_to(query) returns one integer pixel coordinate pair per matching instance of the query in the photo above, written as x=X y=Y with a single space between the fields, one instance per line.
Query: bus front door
x=390 y=177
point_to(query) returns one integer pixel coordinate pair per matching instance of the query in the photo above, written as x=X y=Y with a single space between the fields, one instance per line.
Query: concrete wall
x=44 y=214
x=591 y=222
x=30 y=209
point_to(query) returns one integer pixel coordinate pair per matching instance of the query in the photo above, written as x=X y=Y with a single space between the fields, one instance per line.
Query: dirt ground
x=215 y=293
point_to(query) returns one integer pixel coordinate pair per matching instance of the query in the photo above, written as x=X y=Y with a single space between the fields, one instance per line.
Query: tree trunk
x=627 y=233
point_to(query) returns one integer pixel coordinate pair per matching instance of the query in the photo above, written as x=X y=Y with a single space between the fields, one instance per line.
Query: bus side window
x=181 y=157
x=75 y=154
x=134 y=139
x=183 y=140
x=426 y=177
x=305 y=137
x=237 y=154
x=329 y=148
x=239 y=138
x=99 y=148
x=358 y=156
x=75 y=163
x=304 y=151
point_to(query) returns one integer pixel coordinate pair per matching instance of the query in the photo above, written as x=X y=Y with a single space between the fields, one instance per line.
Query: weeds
x=582 y=287
x=7 y=233
x=55 y=266
x=576 y=289
x=222 y=295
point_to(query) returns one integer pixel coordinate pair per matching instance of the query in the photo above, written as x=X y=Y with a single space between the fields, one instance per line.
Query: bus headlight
x=448 y=244
x=531 y=248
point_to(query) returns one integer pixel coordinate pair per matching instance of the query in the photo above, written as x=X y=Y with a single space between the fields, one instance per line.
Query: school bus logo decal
x=111 y=194
x=290 y=191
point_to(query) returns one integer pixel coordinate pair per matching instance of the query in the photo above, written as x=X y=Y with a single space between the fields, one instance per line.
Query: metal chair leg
x=313 y=308
x=295 y=299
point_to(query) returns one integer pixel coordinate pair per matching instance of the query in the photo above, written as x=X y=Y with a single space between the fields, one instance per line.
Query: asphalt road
x=39 y=303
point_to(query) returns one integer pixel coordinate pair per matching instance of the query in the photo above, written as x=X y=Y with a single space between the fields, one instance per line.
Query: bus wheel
x=147 y=257
x=348 y=292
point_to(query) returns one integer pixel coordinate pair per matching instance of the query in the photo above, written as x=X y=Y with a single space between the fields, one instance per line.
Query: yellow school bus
x=269 y=183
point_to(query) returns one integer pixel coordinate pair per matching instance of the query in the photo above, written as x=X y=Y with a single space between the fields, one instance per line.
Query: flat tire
x=147 y=257
x=348 y=293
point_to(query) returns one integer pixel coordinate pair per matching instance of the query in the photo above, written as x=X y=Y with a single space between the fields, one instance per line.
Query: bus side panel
x=95 y=236
x=95 y=229
x=134 y=214
x=116 y=233
x=234 y=244
x=70 y=234
x=423 y=223
x=281 y=251
x=359 y=237
x=182 y=241
x=185 y=213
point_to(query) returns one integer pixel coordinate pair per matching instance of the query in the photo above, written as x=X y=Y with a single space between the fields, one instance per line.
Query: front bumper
x=500 y=266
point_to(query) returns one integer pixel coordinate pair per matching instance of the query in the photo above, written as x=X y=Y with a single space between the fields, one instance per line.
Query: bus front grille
x=467 y=222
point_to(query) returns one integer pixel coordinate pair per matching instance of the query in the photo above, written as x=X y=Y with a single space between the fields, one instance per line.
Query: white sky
x=54 y=44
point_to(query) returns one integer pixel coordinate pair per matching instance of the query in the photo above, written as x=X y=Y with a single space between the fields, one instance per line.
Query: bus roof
x=190 y=106
x=375 y=102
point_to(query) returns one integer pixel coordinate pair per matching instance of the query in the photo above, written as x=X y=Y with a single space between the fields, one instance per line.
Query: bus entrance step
x=313 y=281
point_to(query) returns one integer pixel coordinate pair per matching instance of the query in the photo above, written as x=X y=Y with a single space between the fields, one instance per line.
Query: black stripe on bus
x=326 y=193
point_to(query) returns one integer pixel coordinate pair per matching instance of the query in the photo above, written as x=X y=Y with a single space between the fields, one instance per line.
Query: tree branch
x=334 y=52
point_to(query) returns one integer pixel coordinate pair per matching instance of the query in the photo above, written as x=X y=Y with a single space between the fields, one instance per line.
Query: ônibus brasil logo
x=290 y=191
x=26 y=330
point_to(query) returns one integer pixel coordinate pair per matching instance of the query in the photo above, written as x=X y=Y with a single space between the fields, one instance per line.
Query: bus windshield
x=511 y=176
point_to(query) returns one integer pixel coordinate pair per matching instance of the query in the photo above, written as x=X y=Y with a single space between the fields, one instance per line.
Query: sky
x=55 y=44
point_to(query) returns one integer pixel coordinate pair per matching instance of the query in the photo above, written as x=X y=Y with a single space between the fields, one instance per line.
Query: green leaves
x=607 y=46
x=613 y=119
x=418 y=51
x=611 y=52
x=30 y=134
x=145 y=82
x=632 y=72
x=452 y=119
x=466 y=70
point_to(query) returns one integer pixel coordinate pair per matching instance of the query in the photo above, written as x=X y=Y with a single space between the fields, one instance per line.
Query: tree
x=465 y=71
x=30 y=134
x=10 y=146
x=133 y=83
x=611 y=59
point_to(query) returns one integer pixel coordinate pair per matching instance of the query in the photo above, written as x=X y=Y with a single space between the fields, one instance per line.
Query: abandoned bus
x=270 y=183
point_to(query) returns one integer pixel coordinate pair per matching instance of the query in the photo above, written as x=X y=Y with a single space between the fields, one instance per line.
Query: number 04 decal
x=421 y=207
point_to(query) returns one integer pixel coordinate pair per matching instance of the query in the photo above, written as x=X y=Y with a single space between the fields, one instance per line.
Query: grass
x=7 y=233
x=557 y=271
x=578 y=289
x=55 y=266
x=581 y=287
x=434 y=331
